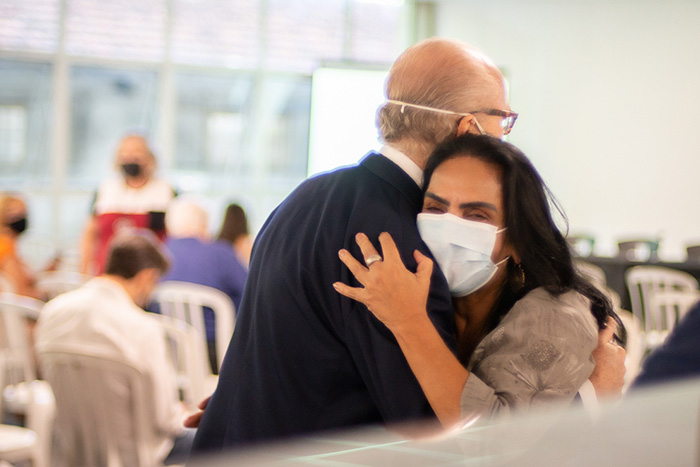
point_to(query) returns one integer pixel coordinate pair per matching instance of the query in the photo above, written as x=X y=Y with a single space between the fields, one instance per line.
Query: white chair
x=189 y=356
x=22 y=393
x=643 y=282
x=17 y=444
x=674 y=304
x=636 y=345
x=92 y=393
x=54 y=283
x=186 y=301
x=596 y=275
x=592 y=272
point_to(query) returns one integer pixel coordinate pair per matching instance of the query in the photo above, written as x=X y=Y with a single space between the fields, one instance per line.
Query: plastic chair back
x=54 y=283
x=188 y=353
x=187 y=301
x=592 y=272
x=22 y=393
x=645 y=281
x=92 y=393
x=15 y=312
x=673 y=304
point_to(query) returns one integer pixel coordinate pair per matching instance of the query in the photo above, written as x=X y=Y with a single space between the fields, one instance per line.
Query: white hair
x=185 y=217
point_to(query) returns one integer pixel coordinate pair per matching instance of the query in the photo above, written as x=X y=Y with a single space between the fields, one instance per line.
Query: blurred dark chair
x=693 y=253
x=639 y=250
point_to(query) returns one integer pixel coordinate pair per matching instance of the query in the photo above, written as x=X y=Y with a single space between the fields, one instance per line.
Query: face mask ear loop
x=506 y=258
x=478 y=126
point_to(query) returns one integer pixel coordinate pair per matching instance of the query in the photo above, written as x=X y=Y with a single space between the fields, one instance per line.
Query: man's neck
x=126 y=284
x=416 y=150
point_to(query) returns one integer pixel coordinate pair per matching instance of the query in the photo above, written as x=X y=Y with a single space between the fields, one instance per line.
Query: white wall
x=609 y=99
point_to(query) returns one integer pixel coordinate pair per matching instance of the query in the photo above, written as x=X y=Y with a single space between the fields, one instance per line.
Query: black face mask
x=131 y=170
x=18 y=226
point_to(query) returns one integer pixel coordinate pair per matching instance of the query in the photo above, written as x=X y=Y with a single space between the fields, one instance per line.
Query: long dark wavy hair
x=546 y=259
x=234 y=225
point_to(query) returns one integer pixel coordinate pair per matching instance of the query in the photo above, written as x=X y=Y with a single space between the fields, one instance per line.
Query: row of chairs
x=181 y=305
x=49 y=283
x=659 y=298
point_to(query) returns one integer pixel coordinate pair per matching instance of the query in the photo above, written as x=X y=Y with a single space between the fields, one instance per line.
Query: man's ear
x=147 y=277
x=467 y=124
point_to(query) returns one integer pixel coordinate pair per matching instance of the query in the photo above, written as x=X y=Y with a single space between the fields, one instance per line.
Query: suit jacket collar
x=395 y=176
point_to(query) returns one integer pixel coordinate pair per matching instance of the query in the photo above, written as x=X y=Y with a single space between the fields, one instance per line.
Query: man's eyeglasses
x=508 y=121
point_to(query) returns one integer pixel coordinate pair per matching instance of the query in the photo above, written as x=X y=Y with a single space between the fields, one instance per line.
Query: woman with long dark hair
x=234 y=231
x=527 y=321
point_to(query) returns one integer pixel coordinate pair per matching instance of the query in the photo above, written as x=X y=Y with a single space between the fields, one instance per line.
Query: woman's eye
x=433 y=209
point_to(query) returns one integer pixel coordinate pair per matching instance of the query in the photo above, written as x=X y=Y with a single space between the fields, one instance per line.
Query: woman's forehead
x=468 y=177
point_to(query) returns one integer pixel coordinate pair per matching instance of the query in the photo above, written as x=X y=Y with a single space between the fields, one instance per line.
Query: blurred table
x=615 y=268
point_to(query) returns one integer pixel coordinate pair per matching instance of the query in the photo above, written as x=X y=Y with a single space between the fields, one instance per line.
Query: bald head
x=442 y=74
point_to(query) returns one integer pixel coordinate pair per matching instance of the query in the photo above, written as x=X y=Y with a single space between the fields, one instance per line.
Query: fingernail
x=335 y=285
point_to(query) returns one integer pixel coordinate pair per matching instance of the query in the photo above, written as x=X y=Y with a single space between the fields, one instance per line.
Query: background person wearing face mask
x=134 y=199
x=527 y=322
x=13 y=222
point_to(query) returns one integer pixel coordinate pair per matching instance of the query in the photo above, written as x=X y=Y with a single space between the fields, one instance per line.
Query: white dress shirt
x=405 y=162
x=101 y=319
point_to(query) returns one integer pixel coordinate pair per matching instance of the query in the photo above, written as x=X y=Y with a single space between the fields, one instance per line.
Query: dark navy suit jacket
x=678 y=357
x=303 y=358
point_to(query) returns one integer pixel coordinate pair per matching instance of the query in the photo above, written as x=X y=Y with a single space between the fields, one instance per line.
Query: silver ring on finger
x=371 y=259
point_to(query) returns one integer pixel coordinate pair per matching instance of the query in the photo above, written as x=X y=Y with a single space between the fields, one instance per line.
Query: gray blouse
x=538 y=354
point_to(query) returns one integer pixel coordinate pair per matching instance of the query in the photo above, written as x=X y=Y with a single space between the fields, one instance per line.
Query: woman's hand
x=395 y=295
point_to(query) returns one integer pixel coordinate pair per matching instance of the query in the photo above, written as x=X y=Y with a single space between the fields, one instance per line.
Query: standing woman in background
x=136 y=199
x=234 y=230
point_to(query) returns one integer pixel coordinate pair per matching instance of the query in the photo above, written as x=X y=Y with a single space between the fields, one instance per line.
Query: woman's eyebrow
x=479 y=204
x=471 y=205
x=437 y=198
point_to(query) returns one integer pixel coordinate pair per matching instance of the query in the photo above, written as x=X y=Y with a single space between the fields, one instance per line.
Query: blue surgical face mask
x=462 y=249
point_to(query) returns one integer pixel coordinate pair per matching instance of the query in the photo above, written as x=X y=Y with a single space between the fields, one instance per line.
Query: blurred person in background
x=234 y=231
x=678 y=358
x=104 y=318
x=137 y=198
x=196 y=259
x=13 y=223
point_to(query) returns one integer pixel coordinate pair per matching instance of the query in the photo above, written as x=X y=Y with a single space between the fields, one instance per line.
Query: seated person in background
x=195 y=259
x=135 y=199
x=13 y=222
x=678 y=357
x=527 y=322
x=104 y=318
x=234 y=231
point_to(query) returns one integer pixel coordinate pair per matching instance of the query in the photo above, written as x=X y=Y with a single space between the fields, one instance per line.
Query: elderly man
x=303 y=358
x=103 y=318
x=197 y=260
